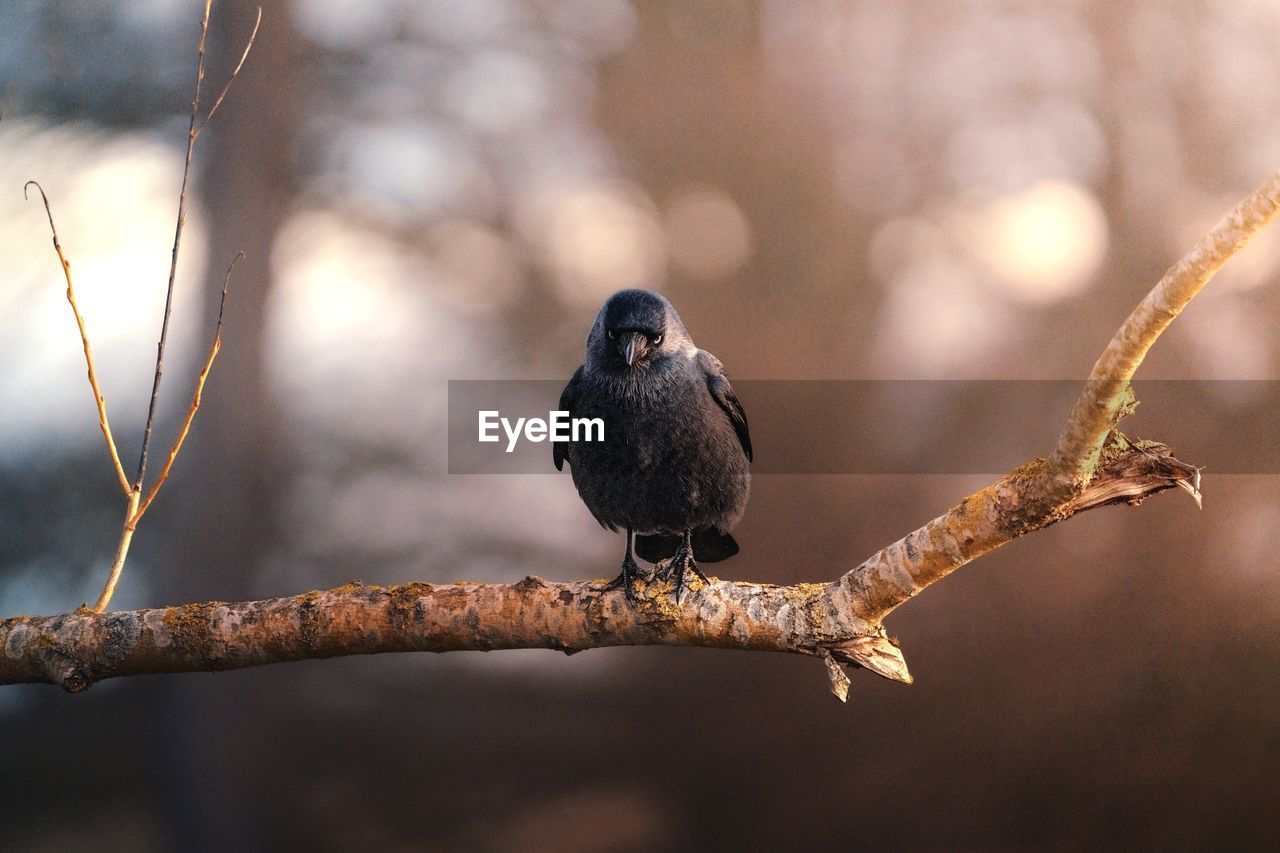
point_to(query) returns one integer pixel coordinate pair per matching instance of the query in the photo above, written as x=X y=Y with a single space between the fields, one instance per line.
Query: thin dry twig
x=122 y=552
x=177 y=243
x=234 y=74
x=98 y=398
x=136 y=505
x=195 y=400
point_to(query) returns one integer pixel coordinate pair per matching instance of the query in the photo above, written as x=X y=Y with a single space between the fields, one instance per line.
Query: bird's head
x=634 y=329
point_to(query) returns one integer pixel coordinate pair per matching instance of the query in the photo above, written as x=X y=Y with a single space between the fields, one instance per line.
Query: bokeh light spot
x=602 y=238
x=1042 y=244
x=707 y=233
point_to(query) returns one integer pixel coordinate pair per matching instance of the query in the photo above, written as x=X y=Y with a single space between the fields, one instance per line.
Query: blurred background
x=448 y=190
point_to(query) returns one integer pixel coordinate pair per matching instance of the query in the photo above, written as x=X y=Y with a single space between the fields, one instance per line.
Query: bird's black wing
x=722 y=391
x=560 y=449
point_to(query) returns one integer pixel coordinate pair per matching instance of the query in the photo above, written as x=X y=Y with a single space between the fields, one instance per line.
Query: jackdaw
x=672 y=467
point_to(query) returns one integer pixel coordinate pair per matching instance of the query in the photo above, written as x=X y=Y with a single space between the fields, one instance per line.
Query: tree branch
x=1106 y=397
x=1093 y=465
x=1042 y=491
x=76 y=650
x=1005 y=510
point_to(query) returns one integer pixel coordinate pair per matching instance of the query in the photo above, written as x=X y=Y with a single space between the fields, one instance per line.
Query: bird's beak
x=632 y=345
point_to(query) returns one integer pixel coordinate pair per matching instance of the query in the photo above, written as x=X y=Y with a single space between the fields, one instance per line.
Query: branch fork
x=136 y=504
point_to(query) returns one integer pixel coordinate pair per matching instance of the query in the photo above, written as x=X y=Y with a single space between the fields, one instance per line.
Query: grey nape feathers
x=672 y=468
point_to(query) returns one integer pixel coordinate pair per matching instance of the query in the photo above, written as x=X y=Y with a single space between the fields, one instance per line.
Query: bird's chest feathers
x=646 y=424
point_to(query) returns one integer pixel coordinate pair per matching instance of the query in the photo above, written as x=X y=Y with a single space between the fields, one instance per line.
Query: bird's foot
x=667 y=569
x=630 y=571
x=680 y=563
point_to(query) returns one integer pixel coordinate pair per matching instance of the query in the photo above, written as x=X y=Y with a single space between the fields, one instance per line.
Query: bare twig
x=173 y=262
x=131 y=493
x=214 y=349
x=136 y=506
x=234 y=74
x=122 y=551
x=98 y=397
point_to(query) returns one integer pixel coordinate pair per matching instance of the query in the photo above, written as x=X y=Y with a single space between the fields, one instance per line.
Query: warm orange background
x=441 y=190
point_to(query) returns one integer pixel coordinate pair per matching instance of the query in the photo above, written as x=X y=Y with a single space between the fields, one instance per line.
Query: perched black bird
x=672 y=468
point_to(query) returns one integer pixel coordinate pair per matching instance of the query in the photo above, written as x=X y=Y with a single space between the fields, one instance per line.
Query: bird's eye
x=657 y=339
x=611 y=334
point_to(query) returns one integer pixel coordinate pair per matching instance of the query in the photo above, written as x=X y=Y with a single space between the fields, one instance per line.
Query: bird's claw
x=630 y=570
x=673 y=570
x=682 y=561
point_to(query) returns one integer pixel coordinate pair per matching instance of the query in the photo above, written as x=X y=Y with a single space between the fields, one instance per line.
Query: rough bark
x=1000 y=513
